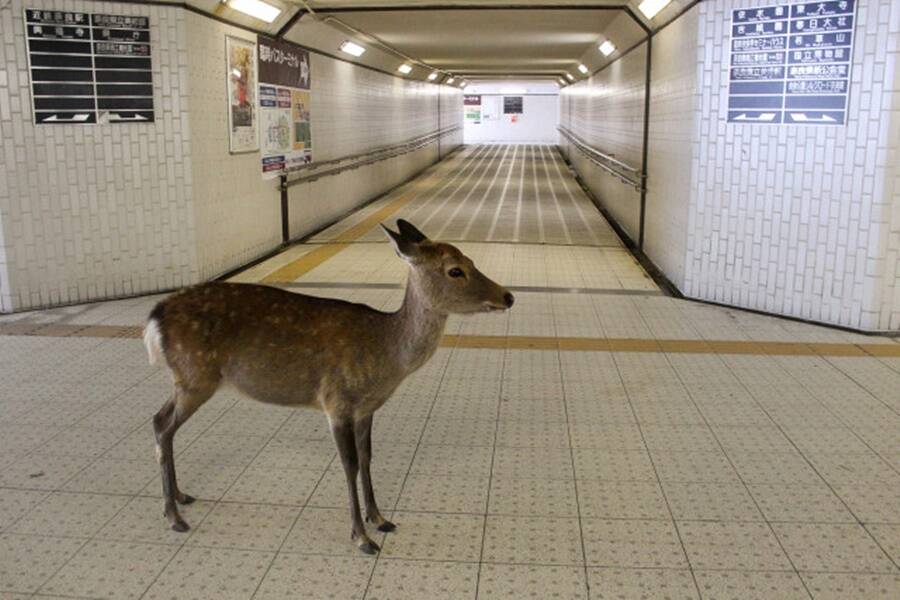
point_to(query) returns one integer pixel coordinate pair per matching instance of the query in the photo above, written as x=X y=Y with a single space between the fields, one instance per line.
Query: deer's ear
x=409 y=231
x=405 y=248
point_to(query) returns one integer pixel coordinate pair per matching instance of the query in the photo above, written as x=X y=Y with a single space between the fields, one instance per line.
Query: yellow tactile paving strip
x=309 y=261
x=571 y=344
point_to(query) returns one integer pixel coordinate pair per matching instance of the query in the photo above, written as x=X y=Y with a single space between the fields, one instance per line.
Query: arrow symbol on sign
x=803 y=118
x=762 y=117
x=134 y=117
x=75 y=118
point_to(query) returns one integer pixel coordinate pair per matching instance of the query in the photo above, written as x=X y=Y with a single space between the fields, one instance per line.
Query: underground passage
x=371 y=299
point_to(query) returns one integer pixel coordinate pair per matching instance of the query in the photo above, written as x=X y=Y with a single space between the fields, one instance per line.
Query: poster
x=472 y=105
x=790 y=63
x=284 y=106
x=240 y=56
x=89 y=68
x=490 y=108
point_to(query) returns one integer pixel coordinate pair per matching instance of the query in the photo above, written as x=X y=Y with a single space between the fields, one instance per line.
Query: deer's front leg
x=363 y=431
x=342 y=430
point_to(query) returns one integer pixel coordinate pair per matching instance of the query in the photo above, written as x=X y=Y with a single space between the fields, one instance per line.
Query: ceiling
x=468 y=39
x=488 y=42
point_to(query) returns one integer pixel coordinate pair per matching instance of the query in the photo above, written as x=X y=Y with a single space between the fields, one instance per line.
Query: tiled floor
x=600 y=440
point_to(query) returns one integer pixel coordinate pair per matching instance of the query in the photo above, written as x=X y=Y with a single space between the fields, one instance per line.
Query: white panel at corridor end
x=511 y=111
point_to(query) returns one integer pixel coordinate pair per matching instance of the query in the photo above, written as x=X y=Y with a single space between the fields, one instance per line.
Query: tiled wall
x=607 y=111
x=451 y=113
x=101 y=210
x=794 y=220
x=356 y=109
x=91 y=212
x=674 y=128
x=890 y=300
x=237 y=213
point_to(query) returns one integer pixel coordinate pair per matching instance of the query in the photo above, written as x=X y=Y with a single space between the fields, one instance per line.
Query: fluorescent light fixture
x=463 y=85
x=256 y=9
x=451 y=80
x=651 y=8
x=433 y=76
x=607 y=48
x=404 y=69
x=569 y=77
x=582 y=68
x=512 y=90
x=351 y=48
x=562 y=81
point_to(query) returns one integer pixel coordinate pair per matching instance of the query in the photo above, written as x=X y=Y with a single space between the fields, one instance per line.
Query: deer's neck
x=417 y=328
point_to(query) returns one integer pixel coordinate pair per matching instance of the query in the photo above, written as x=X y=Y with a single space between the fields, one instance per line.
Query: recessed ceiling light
x=463 y=85
x=582 y=68
x=404 y=69
x=351 y=48
x=607 y=48
x=569 y=77
x=451 y=80
x=651 y=8
x=433 y=76
x=562 y=81
x=256 y=9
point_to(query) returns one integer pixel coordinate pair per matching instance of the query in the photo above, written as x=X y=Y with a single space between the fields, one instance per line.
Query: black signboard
x=512 y=105
x=283 y=63
x=89 y=68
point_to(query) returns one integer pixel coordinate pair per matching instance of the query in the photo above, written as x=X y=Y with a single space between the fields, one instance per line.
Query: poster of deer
x=240 y=56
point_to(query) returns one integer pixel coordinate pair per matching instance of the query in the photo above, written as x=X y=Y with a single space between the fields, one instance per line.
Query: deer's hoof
x=180 y=526
x=369 y=547
x=387 y=526
x=186 y=499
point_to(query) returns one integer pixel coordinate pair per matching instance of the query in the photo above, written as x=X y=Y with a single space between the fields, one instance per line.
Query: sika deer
x=290 y=349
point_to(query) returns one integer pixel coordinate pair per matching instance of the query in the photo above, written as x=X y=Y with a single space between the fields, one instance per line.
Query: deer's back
x=275 y=345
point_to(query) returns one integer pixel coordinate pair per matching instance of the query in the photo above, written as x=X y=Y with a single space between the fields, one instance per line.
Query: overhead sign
x=512 y=105
x=790 y=63
x=89 y=68
x=284 y=106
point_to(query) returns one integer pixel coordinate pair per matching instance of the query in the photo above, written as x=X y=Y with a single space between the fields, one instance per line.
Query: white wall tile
x=799 y=221
x=91 y=212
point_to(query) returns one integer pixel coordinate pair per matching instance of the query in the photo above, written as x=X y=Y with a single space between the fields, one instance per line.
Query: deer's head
x=445 y=277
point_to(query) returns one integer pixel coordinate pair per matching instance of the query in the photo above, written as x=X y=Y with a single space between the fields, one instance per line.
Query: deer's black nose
x=508 y=299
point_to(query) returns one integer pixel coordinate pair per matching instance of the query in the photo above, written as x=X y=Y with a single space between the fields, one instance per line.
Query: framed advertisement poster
x=243 y=120
x=284 y=106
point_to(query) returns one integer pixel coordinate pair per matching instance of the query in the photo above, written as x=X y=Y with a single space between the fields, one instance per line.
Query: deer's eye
x=455 y=272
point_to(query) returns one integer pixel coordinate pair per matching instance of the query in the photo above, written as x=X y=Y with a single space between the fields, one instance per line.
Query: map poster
x=284 y=106
x=240 y=56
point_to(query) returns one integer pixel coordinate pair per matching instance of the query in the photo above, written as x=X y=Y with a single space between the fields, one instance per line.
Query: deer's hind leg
x=342 y=428
x=178 y=409
x=362 y=429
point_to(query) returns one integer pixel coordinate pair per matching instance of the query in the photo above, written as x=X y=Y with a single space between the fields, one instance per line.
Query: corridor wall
x=107 y=210
x=796 y=220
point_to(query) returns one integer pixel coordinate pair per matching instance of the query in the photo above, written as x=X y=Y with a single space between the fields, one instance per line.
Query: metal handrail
x=604 y=161
x=607 y=157
x=361 y=159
